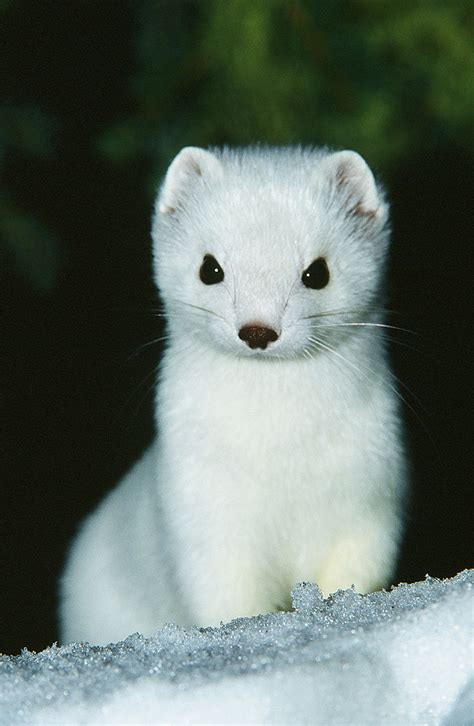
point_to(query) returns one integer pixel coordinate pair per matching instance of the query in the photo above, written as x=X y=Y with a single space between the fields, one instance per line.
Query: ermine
x=279 y=452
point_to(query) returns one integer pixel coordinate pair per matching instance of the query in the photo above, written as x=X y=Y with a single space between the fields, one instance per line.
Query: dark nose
x=257 y=336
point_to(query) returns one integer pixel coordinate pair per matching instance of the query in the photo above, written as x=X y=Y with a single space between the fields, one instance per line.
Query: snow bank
x=404 y=657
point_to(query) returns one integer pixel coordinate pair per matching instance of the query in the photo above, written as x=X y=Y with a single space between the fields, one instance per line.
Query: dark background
x=96 y=99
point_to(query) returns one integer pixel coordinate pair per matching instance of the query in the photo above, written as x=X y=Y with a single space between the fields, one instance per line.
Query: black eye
x=316 y=276
x=210 y=271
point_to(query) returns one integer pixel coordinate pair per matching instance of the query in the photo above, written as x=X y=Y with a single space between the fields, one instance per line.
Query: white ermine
x=279 y=454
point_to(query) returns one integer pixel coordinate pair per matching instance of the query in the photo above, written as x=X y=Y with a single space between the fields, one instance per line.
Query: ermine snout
x=257 y=336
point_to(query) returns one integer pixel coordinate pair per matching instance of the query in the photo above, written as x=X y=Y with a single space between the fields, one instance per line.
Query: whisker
x=330 y=349
x=325 y=346
x=413 y=395
x=150 y=388
x=142 y=400
x=142 y=347
x=137 y=388
x=196 y=307
x=348 y=311
x=368 y=325
x=394 y=341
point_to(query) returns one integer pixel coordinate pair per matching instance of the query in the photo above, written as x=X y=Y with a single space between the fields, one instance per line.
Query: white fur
x=270 y=466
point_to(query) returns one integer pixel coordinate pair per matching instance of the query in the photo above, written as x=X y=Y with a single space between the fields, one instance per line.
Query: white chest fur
x=271 y=467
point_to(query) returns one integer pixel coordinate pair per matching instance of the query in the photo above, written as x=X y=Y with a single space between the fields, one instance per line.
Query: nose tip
x=257 y=336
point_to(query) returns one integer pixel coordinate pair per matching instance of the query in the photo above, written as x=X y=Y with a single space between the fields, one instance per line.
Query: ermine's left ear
x=354 y=178
x=185 y=170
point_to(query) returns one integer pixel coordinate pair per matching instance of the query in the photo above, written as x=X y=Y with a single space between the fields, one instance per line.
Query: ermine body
x=279 y=455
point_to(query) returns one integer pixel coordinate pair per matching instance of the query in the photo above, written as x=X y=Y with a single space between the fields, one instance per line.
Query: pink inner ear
x=196 y=167
x=357 y=181
x=191 y=162
x=360 y=211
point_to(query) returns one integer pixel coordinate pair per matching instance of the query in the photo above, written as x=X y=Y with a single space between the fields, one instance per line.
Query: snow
x=399 y=657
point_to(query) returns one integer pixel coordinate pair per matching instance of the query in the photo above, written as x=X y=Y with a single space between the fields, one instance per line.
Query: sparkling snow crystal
x=404 y=657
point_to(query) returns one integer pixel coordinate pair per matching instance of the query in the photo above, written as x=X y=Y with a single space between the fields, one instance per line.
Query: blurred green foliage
x=389 y=79
x=382 y=77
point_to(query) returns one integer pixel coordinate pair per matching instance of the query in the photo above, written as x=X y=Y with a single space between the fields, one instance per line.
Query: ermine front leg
x=365 y=558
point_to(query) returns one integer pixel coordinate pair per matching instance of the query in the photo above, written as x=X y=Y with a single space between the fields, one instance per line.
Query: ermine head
x=262 y=252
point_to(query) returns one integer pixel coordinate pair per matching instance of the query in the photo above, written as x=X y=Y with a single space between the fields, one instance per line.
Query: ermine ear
x=187 y=167
x=354 y=178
